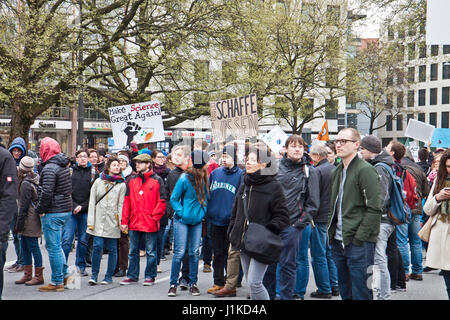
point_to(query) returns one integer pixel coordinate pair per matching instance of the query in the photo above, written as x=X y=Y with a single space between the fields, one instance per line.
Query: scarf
x=256 y=178
x=445 y=206
x=127 y=171
x=113 y=178
x=160 y=171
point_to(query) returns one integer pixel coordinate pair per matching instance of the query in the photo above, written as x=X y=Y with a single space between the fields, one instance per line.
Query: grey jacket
x=323 y=171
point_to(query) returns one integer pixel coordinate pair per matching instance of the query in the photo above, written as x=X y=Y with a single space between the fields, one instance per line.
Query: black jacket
x=291 y=176
x=323 y=171
x=8 y=192
x=169 y=184
x=422 y=185
x=55 y=186
x=163 y=174
x=28 y=222
x=424 y=166
x=82 y=180
x=267 y=206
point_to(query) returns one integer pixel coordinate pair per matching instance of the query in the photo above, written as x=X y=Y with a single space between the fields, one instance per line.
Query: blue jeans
x=409 y=232
x=302 y=270
x=110 y=245
x=29 y=247
x=165 y=235
x=3 y=247
x=291 y=238
x=150 y=240
x=324 y=268
x=184 y=233
x=354 y=264
x=159 y=245
x=52 y=226
x=77 y=223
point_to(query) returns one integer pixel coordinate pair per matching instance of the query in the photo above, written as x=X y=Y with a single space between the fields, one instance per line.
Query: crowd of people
x=329 y=203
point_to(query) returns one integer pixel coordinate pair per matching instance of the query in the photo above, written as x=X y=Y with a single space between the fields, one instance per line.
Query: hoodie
x=19 y=143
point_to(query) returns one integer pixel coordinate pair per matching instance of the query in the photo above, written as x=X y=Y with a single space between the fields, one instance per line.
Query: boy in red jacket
x=143 y=207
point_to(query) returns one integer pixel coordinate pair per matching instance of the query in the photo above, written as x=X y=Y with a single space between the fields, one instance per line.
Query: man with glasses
x=83 y=176
x=354 y=218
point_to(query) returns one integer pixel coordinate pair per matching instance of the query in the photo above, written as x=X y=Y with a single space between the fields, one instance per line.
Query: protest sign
x=235 y=118
x=419 y=130
x=437 y=22
x=441 y=138
x=141 y=122
x=275 y=139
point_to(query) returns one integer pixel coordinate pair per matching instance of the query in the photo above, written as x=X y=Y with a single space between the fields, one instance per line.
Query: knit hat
x=123 y=157
x=199 y=158
x=231 y=151
x=371 y=143
x=26 y=164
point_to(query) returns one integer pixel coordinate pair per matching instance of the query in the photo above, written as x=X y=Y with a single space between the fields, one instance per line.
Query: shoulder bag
x=425 y=231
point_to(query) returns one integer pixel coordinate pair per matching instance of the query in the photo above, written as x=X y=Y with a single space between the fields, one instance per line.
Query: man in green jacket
x=355 y=217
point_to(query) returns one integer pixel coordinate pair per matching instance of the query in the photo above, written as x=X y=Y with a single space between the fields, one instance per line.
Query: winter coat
x=361 y=203
x=20 y=144
x=422 y=185
x=184 y=201
x=8 y=192
x=291 y=176
x=266 y=206
x=323 y=171
x=171 y=181
x=82 y=180
x=144 y=203
x=163 y=172
x=223 y=184
x=55 y=183
x=107 y=214
x=28 y=222
x=438 y=251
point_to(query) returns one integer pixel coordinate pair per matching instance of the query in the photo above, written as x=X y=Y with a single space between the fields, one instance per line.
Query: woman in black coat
x=266 y=206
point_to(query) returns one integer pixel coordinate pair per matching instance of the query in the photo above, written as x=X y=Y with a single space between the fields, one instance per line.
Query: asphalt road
x=431 y=288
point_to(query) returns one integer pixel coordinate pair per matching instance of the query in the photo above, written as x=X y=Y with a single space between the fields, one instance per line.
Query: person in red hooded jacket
x=143 y=207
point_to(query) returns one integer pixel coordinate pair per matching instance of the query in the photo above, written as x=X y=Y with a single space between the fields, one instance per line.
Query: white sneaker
x=158 y=269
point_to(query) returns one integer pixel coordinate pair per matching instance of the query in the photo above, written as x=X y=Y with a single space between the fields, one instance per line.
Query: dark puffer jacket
x=28 y=222
x=55 y=186
x=82 y=180
x=8 y=192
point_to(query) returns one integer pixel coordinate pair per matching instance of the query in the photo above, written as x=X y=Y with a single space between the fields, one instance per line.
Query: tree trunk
x=20 y=121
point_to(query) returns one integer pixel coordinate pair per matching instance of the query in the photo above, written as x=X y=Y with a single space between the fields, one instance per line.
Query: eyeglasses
x=344 y=141
x=161 y=157
x=82 y=157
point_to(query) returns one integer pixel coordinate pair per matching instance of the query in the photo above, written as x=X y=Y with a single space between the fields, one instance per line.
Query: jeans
x=206 y=253
x=324 y=268
x=3 y=247
x=165 y=235
x=150 y=242
x=52 y=226
x=446 y=274
x=16 y=242
x=76 y=224
x=159 y=245
x=29 y=247
x=183 y=234
x=302 y=270
x=381 y=262
x=409 y=232
x=254 y=273
x=288 y=265
x=220 y=249
x=354 y=269
x=111 y=245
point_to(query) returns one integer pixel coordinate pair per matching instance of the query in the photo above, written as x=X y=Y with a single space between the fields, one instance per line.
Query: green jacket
x=361 y=204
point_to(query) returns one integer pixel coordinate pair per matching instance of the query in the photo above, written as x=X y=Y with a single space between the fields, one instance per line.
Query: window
x=201 y=70
x=388 y=123
x=409 y=116
x=434 y=50
x=446 y=49
x=422 y=73
x=401 y=33
x=331 y=109
x=411 y=74
x=422 y=50
x=444 y=119
x=412 y=30
x=389 y=101
x=445 y=95
x=433 y=96
x=446 y=70
x=400 y=77
x=400 y=100
x=399 y=122
x=410 y=98
x=390 y=33
x=421 y=97
x=433 y=117
x=411 y=51
x=434 y=72
x=333 y=14
x=228 y=72
x=421 y=117
x=308 y=11
x=332 y=77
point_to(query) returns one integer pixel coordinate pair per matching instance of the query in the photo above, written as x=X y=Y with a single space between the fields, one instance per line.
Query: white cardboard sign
x=419 y=130
x=438 y=23
x=275 y=138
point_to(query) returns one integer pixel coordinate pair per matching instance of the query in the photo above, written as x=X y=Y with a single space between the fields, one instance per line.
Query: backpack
x=410 y=188
x=399 y=211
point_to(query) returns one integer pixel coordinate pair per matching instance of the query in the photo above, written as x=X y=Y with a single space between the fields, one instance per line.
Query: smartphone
x=447 y=188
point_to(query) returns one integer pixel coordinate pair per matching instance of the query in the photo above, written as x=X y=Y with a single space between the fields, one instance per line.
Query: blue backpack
x=399 y=211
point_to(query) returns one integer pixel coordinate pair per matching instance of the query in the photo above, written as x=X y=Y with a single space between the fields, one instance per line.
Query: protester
x=371 y=151
x=437 y=207
x=83 y=176
x=18 y=149
x=331 y=151
x=28 y=223
x=432 y=174
x=267 y=205
x=354 y=218
x=324 y=268
x=55 y=208
x=8 y=204
x=223 y=184
x=423 y=156
x=143 y=207
x=169 y=162
x=104 y=216
x=212 y=163
x=297 y=179
x=189 y=201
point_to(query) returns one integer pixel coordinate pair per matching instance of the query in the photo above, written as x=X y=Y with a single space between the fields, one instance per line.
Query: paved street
x=431 y=288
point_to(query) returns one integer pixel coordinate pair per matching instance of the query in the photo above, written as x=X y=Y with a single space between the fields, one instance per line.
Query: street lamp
x=80 y=131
